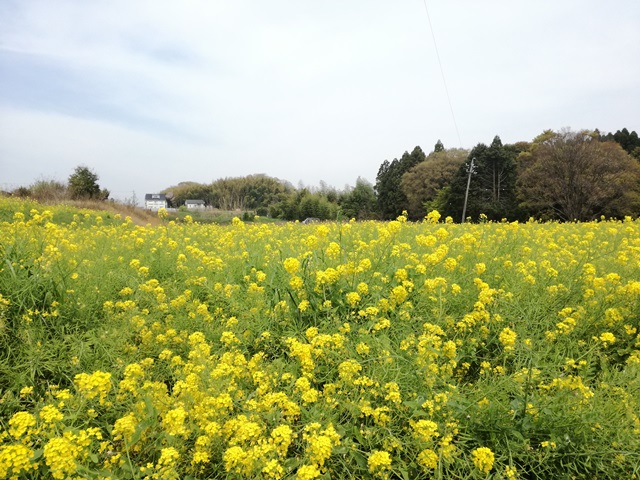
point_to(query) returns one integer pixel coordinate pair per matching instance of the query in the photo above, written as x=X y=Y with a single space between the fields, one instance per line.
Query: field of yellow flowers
x=357 y=350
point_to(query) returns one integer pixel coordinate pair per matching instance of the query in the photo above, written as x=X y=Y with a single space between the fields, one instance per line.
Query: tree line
x=565 y=175
x=559 y=175
x=268 y=196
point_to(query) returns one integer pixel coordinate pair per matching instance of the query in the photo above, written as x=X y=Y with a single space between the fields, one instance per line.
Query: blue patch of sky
x=38 y=83
x=8 y=7
x=145 y=45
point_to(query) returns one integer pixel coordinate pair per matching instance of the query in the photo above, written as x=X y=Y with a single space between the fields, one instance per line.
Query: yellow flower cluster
x=96 y=384
x=428 y=459
x=21 y=424
x=508 y=339
x=483 y=459
x=16 y=460
x=259 y=350
x=379 y=463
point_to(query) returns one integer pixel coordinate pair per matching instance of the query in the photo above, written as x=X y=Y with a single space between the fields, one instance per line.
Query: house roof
x=194 y=202
x=155 y=196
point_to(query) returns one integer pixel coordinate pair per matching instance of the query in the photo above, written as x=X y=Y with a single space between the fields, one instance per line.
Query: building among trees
x=155 y=201
x=194 y=204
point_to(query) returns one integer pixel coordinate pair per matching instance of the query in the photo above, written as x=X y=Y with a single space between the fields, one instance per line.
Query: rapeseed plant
x=387 y=350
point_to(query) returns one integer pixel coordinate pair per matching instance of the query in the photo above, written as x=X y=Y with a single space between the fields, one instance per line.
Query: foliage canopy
x=572 y=176
x=83 y=184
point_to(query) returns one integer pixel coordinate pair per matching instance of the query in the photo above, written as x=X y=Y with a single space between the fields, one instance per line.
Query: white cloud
x=298 y=90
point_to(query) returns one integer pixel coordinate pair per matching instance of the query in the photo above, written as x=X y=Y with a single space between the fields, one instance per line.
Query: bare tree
x=575 y=177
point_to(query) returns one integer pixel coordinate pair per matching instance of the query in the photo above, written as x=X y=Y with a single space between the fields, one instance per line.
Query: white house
x=194 y=204
x=155 y=201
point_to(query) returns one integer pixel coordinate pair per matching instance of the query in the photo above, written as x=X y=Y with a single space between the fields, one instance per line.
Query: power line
x=444 y=80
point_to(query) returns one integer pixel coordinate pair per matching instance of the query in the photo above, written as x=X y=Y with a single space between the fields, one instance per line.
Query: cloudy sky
x=152 y=93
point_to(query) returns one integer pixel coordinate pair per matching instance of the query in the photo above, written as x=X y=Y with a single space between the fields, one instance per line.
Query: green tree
x=629 y=141
x=288 y=206
x=422 y=183
x=261 y=190
x=492 y=189
x=83 y=183
x=316 y=205
x=328 y=191
x=498 y=175
x=189 y=191
x=572 y=176
x=252 y=192
x=359 y=202
x=439 y=147
x=391 y=199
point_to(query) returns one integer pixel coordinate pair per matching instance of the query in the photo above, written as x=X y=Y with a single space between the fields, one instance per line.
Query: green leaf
x=360 y=459
x=404 y=473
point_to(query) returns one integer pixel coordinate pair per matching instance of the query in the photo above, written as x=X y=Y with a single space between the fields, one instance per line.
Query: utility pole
x=466 y=195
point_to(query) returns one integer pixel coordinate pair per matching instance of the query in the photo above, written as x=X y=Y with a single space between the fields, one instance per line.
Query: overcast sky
x=152 y=93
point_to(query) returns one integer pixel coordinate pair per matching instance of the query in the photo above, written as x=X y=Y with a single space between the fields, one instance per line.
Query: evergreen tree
x=492 y=188
x=630 y=142
x=83 y=184
x=391 y=199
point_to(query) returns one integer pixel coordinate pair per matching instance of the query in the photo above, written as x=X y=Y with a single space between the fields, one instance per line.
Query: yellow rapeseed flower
x=14 y=460
x=308 y=472
x=508 y=339
x=96 y=384
x=483 y=459
x=353 y=298
x=428 y=459
x=22 y=423
x=50 y=414
x=291 y=265
x=379 y=463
